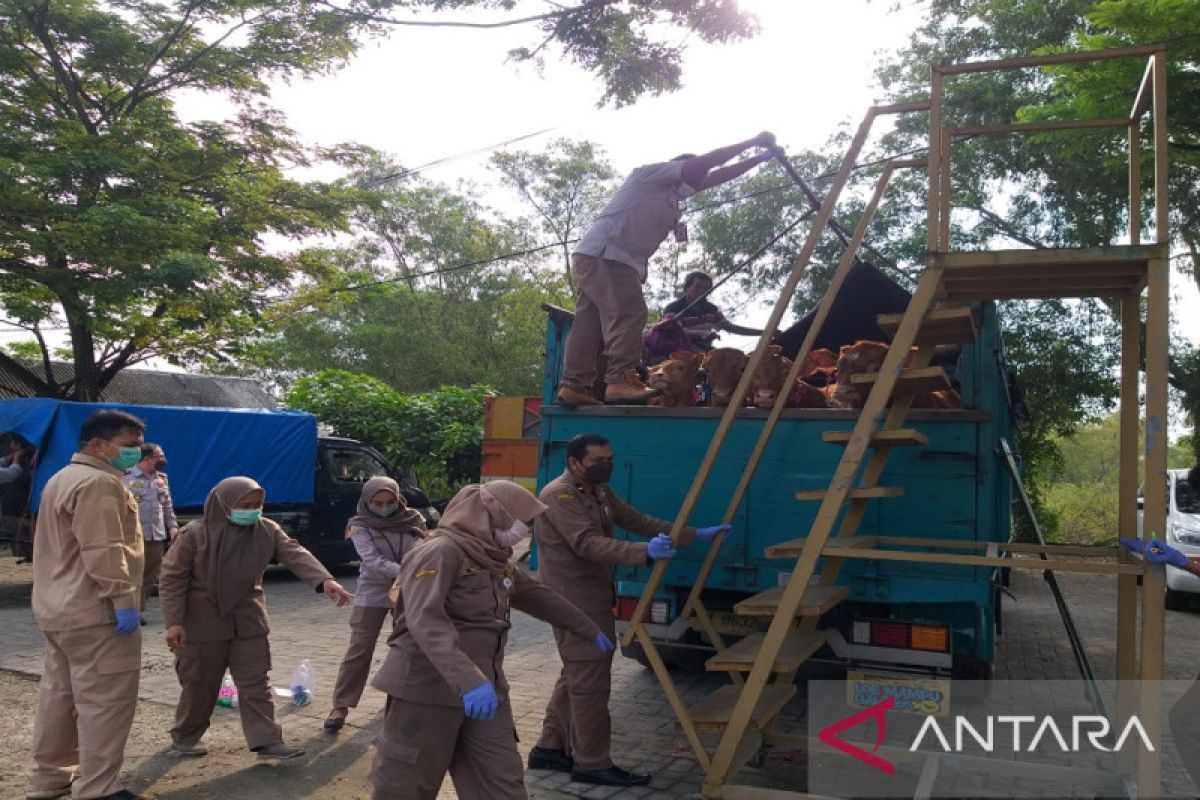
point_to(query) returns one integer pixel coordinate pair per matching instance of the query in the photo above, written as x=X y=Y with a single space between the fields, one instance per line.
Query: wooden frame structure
x=763 y=667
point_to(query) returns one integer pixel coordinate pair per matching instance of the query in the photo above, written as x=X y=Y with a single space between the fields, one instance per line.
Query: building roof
x=150 y=387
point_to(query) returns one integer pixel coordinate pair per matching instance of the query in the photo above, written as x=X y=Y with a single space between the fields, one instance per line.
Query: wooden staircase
x=763 y=667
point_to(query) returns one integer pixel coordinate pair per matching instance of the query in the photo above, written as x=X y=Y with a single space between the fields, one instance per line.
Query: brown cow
x=675 y=378
x=724 y=366
x=768 y=378
x=821 y=359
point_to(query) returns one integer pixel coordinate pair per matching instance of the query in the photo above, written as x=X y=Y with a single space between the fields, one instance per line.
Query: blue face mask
x=245 y=516
x=126 y=457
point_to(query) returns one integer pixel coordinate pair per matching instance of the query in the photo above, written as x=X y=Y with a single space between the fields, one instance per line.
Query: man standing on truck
x=576 y=554
x=610 y=262
x=148 y=485
x=87 y=573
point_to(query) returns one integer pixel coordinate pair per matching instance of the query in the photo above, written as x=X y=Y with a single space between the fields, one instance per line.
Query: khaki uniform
x=576 y=554
x=237 y=641
x=449 y=638
x=87 y=562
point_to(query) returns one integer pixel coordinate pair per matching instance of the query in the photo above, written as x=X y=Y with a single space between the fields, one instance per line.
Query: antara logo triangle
x=878 y=712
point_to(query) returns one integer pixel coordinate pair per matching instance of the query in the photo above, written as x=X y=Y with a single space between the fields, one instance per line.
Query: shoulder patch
x=425 y=573
x=565 y=496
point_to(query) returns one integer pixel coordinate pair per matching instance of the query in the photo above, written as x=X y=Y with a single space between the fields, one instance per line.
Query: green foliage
x=401 y=307
x=566 y=186
x=437 y=435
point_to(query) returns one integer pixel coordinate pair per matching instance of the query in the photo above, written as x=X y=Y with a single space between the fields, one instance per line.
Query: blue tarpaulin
x=203 y=445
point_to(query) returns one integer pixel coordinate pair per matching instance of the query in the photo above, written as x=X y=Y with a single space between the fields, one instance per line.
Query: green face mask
x=126 y=457
x=245 y=516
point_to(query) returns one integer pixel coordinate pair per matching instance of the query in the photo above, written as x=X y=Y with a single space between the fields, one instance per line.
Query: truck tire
x=687 y=659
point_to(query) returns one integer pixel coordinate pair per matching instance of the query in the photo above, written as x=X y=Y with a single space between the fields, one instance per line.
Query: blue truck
x=312 y=482
x=910 y=617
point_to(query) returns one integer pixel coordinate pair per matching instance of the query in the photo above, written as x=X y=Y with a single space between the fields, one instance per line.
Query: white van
x=1183 y=533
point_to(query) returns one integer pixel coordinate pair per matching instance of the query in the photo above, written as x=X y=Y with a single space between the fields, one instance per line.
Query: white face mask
x=510 y=536
x=383 y=510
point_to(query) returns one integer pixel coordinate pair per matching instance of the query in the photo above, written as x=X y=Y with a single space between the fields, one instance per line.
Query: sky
x=423 y=94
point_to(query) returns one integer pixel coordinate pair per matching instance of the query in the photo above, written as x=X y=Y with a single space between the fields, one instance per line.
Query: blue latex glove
x=604 y=643
x=128 y=620
x=710 y=533
x=660 y=547
x=481 y=702
x=1157 y=552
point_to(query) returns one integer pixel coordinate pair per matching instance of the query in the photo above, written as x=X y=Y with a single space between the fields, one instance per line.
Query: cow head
x=676 y=378
x=724 y=366
x=768 y=378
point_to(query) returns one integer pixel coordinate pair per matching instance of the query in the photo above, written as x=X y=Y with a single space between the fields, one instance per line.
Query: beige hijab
x=471 y=518
x=231 y=575
x=404 y=520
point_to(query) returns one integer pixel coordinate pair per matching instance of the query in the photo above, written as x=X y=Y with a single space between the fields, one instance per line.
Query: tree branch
x=583 y=8
x=1007 y=227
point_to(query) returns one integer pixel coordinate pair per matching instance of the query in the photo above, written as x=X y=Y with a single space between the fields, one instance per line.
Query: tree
x=566 y=185
x=428 y=293
x=144 y=235
x=437 y=435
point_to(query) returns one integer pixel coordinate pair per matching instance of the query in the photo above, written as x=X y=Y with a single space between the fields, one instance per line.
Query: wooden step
x=713 y=712
x=864 y=493
x=740 y=657
x=887 y=438
x=914 y=380
x=795 y=547
x=816 y=601
x=940 y=326
x=1049 y=272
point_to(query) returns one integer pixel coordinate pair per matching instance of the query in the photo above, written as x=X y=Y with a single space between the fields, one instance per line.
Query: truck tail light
x=906 y=635
x=930 y=637
x=659 y=612
x=889 y=634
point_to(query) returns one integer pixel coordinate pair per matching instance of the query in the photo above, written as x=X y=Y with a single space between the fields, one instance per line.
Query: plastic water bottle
x=227 y=696
x=302 y=684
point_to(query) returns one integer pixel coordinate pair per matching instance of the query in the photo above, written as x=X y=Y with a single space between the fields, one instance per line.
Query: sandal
x=333 y=723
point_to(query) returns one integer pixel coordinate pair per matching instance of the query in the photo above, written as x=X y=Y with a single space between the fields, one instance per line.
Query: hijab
x=478 y=510
x=402 y=520
x=230 y=574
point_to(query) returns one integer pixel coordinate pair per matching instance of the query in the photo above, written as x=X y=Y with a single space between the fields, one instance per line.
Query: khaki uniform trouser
x=201 y=667
x=577 y=719
x=154 y=557
x=420 y=742
x=86 y=701
x=365 y=624
x=610 y=314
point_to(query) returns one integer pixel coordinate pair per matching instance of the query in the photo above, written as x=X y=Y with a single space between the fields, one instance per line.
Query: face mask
x=245 y=516
x=160 y=464
x=510 y=536
x=599 y=473
x=384 y=510
x=126 y=457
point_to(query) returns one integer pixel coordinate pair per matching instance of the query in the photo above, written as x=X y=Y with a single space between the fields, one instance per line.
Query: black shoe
x=334 y=724
x=610 y=776
x=550 y=758
x=124 y=794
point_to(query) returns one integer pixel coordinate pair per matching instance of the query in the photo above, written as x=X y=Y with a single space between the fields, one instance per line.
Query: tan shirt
x=183 y=586
x=577 y=551
x=87 y=547
x=453 y=624
x=638 y=217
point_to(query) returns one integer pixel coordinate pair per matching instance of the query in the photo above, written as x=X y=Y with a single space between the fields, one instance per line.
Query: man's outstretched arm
x=700 y=172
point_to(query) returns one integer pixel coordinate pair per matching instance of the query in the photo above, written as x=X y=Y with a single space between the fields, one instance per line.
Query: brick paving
x=645 y=738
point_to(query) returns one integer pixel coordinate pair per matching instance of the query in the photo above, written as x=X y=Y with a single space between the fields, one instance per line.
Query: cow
x=768 y=379
x=724 y=366
x=863 y=356
x=675 y=378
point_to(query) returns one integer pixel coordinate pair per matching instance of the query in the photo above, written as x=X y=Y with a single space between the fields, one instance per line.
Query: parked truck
x=909 y=617
x=312 y=482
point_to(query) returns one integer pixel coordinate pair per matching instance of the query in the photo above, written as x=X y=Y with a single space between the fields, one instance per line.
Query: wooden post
x=935 y=161
x=1127 y=590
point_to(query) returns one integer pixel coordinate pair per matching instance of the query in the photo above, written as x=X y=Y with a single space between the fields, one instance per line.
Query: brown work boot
x=571 y=397
x=631 y=391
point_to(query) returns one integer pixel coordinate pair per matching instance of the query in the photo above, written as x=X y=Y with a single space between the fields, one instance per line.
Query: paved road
x=645 y=738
